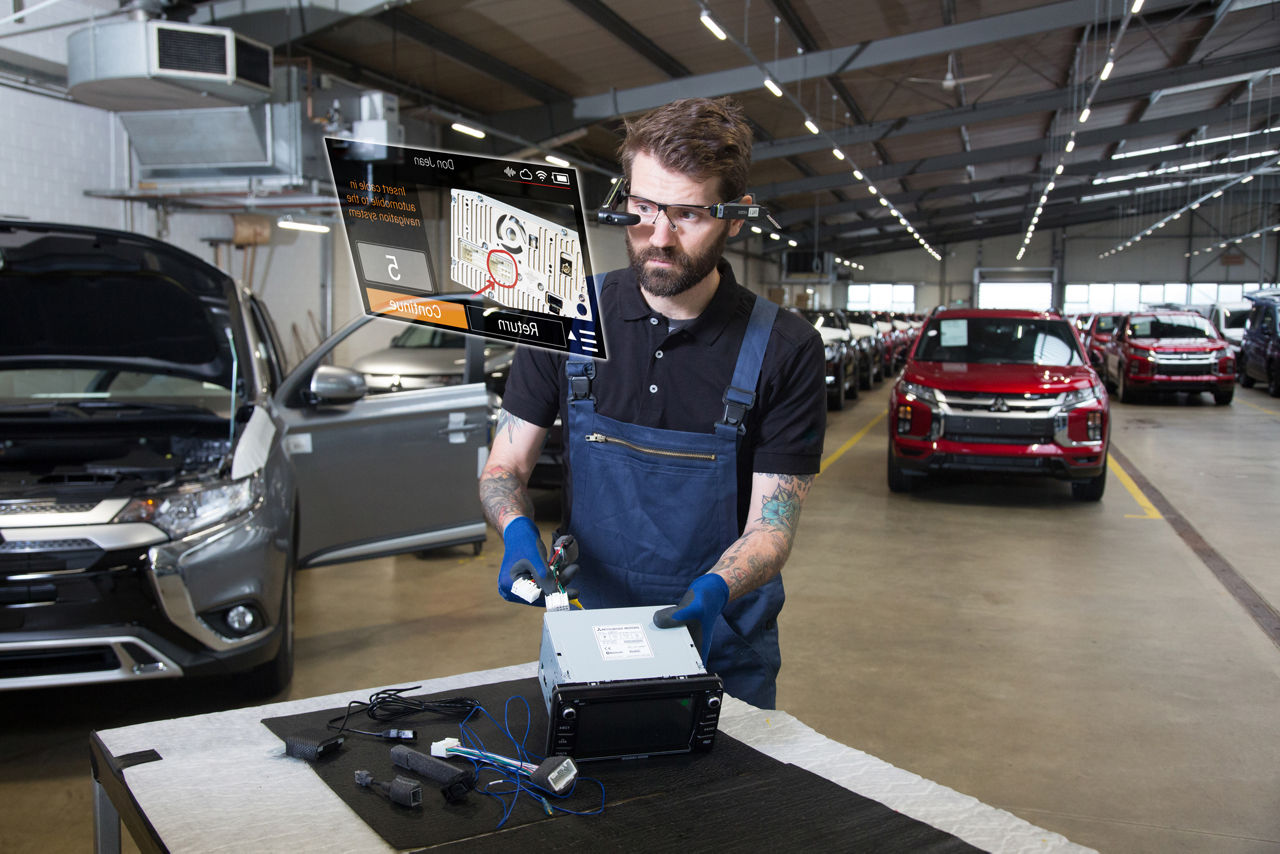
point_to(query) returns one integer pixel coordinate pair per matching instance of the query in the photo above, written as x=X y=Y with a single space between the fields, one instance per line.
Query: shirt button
x=653 y=389
x=653 y=321
x=657 y=355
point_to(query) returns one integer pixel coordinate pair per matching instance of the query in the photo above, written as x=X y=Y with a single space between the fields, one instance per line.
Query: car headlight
x=1081 y=395
x=921 y=392
x=194 y=507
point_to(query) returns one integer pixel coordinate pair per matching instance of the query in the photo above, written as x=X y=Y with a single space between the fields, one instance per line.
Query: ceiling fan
x=950 y=82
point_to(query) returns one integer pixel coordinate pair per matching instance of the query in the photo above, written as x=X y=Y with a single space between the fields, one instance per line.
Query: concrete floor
x=1078 y=665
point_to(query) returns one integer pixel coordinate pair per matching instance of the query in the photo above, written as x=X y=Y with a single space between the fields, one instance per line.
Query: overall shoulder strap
x=740 y=396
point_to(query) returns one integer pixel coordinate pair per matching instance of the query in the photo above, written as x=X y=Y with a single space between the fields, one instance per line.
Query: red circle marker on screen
x=488 y=264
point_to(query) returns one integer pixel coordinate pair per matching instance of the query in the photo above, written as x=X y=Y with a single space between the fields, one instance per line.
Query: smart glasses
x=641 y=211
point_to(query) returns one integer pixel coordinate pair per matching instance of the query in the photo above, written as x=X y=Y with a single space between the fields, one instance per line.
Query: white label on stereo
x=619 y=642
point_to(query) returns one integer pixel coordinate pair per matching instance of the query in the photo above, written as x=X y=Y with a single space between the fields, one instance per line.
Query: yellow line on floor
x=1259 y=408
x=1138 y=495
x=839 y=452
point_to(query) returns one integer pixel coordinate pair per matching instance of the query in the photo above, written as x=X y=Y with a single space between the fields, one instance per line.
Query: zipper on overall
x=659 y=452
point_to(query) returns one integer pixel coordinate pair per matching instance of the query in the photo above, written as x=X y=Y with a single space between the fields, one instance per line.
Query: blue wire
x=468 y=737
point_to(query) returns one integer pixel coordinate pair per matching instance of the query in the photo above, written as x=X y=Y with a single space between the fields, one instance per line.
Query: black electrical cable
x=390 y=704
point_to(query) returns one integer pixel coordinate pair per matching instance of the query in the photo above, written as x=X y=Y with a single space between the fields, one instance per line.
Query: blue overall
x=653 y=509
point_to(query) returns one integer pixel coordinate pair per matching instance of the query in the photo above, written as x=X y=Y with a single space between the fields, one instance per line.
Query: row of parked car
x=1191 y=349
x=862 y=348
x=1027 y=392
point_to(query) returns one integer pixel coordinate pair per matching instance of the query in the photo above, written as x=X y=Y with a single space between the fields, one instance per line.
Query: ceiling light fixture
x=287 y=221
x=468 y=130
x=710 y=24
x=766 y=75
x=1195 y=204
x=557 y=161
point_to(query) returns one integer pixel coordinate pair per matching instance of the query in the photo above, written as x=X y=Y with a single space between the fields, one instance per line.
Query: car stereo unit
x=617 y=686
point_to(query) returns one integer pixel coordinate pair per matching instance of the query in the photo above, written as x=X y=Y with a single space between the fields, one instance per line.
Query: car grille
x=997 y=429
x=10 y=508
x=22 y=558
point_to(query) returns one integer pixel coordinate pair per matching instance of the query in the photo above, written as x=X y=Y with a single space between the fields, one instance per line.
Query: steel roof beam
x=1116 y=89
x=436 y=39
x=1031 y=148
x=842 y=60
x=1078 y=214
x=609 y=20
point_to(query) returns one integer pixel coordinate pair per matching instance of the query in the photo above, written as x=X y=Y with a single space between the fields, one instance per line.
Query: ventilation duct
x=158 y=65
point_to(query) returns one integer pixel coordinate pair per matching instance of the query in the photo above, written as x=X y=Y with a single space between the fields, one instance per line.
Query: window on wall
x=1037 y=296
x=1098 y=297
x=881 y=297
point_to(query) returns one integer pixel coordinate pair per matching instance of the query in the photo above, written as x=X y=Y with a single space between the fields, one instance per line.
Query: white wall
x=55 y=150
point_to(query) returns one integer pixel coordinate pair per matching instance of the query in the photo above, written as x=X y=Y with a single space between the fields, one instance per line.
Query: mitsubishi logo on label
x=999 y=405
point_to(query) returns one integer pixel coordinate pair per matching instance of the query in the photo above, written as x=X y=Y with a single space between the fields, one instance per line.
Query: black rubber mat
x=734 y=797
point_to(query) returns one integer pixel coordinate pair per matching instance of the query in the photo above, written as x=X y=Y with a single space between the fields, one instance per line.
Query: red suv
x=1164 y=350
x=999 y=390
x=1099 y=331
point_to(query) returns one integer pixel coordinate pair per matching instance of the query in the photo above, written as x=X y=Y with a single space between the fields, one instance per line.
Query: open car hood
x=95 y=298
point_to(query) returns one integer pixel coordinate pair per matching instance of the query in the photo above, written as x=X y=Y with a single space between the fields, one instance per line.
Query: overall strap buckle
x=737 y=402
x=581 y=371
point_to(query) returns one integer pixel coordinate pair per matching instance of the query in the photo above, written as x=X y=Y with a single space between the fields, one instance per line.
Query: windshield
x=1178 y=326
x=1105 y=323
x=999 y=341
x=1235 y=318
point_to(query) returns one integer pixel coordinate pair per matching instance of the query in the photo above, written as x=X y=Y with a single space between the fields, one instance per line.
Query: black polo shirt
x=676 y=380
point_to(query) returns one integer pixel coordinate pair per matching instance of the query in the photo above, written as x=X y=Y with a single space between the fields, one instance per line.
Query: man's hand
x=698 y=609
x=523 y=544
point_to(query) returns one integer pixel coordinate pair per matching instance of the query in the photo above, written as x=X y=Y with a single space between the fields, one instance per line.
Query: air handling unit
x=136 y=65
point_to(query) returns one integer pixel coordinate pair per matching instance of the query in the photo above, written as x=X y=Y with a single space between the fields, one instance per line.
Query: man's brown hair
x=702 y=138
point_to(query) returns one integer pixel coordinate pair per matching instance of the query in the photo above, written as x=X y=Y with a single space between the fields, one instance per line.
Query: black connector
x=454 y=782
x=401 y=790
x=311 y=746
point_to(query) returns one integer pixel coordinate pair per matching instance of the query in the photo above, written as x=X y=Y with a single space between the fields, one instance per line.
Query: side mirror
x=332 y=384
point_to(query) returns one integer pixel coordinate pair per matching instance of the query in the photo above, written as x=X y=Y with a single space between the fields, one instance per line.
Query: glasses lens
x=645 y=209
x=686 y=217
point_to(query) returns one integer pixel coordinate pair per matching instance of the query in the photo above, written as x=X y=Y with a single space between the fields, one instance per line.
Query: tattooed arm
x=758 y=555
x=504 y=482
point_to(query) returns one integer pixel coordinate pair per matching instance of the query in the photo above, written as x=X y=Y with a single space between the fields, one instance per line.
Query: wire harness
x=549 y=781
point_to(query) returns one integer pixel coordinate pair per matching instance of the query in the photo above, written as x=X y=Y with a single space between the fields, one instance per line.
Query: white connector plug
x=440 y=748
x=558 y=601
x=526 y=589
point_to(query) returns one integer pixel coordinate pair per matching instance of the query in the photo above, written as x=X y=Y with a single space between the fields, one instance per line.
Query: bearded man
x=691 y=449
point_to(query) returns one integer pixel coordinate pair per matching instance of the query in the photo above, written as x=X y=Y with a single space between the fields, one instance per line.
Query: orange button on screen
x=405 y=307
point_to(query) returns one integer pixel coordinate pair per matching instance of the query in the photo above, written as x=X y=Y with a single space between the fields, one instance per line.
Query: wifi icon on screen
x=542 y=176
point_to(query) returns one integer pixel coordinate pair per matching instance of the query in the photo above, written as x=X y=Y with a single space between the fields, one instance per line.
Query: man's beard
x=687 y=270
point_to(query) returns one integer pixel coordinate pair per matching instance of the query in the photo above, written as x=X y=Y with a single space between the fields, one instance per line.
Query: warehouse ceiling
x=957 y=112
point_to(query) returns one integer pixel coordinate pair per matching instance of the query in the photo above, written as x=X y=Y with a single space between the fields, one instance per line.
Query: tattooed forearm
x=758 y=555
x=503 y=497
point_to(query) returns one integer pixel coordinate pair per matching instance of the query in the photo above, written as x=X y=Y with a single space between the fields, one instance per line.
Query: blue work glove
x=698 y=609
x=522 y=543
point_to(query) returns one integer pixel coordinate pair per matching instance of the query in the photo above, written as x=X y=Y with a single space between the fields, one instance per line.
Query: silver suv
x=161 y=476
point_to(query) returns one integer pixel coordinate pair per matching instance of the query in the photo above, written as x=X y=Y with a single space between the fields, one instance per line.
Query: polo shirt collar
x=706 y=327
